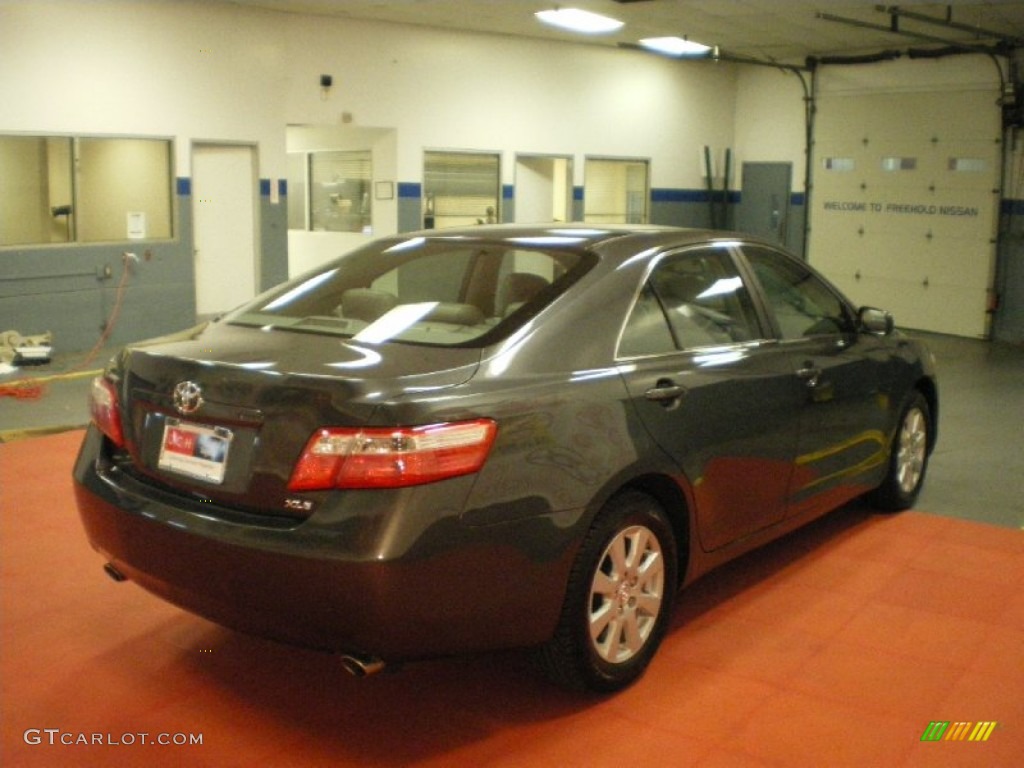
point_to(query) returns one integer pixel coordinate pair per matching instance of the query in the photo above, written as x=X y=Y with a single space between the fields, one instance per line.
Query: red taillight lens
x=392 y=458
x=103 y=406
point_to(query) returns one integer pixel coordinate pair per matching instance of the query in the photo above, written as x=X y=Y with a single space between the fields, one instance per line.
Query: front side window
x=802 y=304
x=448 y=293
x=691 y=300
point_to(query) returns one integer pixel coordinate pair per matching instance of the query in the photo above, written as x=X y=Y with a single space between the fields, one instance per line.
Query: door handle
x=665 y=393
x=810 y=375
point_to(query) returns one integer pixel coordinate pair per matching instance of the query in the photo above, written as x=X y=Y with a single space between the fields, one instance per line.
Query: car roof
x=578 y=235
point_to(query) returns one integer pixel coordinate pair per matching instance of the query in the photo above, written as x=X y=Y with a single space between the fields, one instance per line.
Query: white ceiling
x=785 y=31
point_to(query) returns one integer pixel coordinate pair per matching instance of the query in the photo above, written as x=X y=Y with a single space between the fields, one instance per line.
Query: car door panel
x=717 y=397
x=843 y=419
x=731 y=430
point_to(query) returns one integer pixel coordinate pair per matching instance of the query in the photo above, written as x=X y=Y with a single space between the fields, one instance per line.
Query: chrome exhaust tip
x=113 y=573
x=361 y=666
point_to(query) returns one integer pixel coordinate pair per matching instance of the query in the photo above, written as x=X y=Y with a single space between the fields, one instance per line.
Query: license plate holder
x=195 y=450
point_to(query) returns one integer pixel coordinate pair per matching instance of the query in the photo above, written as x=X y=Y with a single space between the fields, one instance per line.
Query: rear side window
x=442 y=293
x=801 y=302
x=691 y=300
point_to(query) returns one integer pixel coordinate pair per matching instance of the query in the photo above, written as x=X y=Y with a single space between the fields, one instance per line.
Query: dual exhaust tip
x=355 y=665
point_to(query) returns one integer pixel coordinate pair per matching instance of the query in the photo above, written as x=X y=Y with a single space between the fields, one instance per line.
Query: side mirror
x=876 y=321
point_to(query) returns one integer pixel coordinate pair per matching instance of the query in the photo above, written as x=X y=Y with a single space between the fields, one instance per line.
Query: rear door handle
x=666 y=393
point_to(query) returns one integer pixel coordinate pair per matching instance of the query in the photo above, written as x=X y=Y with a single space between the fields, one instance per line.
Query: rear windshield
x=437 y=292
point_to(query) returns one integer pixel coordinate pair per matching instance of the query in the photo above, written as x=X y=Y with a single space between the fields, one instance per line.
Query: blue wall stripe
x=689 y=196
x=409 y=189
x=183 y=186
x=412 y=189
x=678 y=196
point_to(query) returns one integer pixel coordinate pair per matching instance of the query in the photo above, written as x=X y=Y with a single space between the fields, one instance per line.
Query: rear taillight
x=392 y=458
x=103 y=406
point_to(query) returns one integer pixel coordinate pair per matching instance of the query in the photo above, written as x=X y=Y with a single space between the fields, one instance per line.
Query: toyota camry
x=498 y=437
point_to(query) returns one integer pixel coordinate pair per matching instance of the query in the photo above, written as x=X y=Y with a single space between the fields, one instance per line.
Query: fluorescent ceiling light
x=576 y=20
x=675 y=46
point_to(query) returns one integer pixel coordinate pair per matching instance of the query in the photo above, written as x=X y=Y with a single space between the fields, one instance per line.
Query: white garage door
x=905 y=202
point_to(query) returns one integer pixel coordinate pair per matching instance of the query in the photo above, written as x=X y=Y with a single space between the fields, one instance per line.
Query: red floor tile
x=833 y=647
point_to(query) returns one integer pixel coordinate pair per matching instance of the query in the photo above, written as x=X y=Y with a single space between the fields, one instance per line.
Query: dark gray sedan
x=498 y=437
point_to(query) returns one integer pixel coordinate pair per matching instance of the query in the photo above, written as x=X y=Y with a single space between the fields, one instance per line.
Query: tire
x=618 y=600
x=908 y=460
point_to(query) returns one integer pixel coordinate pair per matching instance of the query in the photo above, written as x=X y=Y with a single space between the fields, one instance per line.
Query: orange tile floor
x=834 y=647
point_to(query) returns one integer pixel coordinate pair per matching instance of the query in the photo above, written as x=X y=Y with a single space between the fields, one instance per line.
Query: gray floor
x=976 y=473
x=977 y=470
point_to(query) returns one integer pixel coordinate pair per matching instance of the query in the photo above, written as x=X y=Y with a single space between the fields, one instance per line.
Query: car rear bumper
x=310 y=585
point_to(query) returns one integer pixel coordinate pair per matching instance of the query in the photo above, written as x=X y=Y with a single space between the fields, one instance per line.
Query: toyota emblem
x=188 y=397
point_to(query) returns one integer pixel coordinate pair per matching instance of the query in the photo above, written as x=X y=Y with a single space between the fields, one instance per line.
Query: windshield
x=422 y=291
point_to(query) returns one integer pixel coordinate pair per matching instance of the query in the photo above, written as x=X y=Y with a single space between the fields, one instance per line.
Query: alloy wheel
x=912 y=452
x=626 y=594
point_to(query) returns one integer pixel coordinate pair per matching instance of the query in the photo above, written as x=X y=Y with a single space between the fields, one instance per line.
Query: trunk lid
x=223 y=417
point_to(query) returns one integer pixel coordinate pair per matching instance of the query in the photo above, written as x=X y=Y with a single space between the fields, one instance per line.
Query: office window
x=124 y=189
x=460 y=188
x=36 y=204
x=330 y=191
x=56 y=189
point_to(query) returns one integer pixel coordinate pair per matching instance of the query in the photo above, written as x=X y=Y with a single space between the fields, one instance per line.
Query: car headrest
x=457 y=314
x=367 y=304
x=517 y=288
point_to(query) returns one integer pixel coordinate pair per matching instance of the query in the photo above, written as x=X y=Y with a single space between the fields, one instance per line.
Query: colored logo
x=938 y=730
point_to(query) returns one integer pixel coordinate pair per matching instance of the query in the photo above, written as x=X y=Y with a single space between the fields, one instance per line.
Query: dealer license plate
x=195 y=450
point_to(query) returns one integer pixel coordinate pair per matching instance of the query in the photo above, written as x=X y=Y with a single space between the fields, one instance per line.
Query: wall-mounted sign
x=136 y=225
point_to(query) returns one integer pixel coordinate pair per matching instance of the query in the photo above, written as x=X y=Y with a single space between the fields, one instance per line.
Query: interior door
x=764 y=202
x=712 y=393
x=224 y=197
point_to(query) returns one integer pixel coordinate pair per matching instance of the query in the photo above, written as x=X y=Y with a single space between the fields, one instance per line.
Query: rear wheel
x=909 y=458
x=618 y=600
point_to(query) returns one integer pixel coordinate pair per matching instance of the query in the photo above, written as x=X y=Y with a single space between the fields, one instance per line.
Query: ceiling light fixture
x=576 y=20
x=675 y=46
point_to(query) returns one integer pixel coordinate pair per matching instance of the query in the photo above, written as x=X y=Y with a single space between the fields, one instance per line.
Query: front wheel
x=909 y=458
x=618 y=599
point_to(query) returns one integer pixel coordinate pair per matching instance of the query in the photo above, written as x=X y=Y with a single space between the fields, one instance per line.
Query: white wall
x=217 y=72
x=185 y=69
x=210 y=71
x=449 y=90
x=770 y=121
